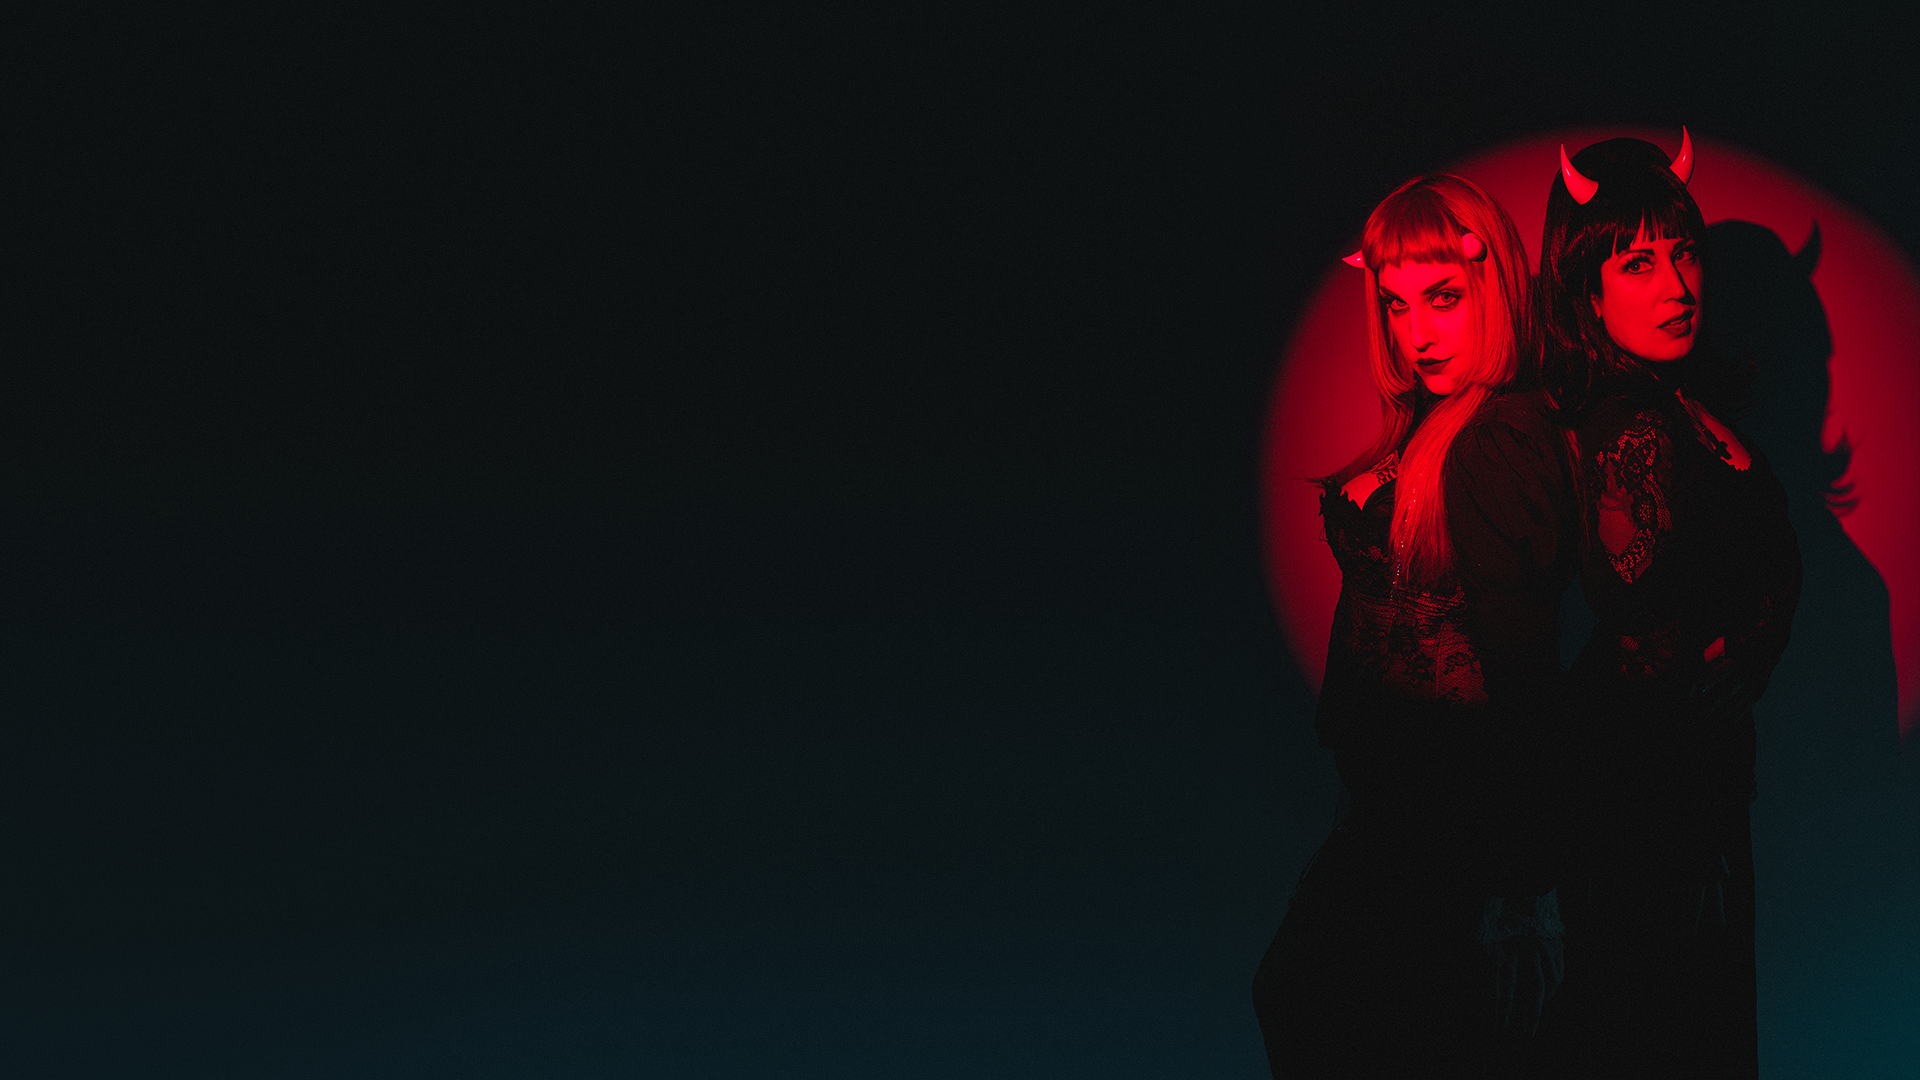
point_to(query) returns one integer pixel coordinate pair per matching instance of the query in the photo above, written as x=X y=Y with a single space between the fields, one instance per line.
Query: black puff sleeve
x=1514 y=525
x=1514 y=522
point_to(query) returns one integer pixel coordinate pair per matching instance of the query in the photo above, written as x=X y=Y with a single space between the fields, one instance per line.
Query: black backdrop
x=545 y=545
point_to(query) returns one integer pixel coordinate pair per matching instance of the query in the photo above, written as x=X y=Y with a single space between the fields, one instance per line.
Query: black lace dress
x=1691 y=556
x=1439 y=707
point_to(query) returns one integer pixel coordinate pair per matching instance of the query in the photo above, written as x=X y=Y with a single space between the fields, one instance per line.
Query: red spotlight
x=1323 y=408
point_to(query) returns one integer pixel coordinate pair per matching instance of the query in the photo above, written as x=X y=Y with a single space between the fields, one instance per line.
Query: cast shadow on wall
x=1831 y=821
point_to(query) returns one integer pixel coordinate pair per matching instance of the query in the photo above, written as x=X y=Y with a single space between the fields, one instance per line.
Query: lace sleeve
x=1635 y=474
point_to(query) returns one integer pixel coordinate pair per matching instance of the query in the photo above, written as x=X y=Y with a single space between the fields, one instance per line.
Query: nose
x=1420 y=328
x=1673 y=285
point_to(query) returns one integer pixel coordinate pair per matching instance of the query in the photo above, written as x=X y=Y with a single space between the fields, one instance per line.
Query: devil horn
x=1357 y=260
x=1578 y=186
x=1808 y=256
x=1683 y=165
x=1472 y=247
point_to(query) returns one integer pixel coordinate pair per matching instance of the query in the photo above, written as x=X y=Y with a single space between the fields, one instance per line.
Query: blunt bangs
x=1416 y=230
x=1638 y=194
x=1669 y=220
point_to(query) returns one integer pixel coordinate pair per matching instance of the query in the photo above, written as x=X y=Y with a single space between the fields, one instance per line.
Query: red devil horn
x=1357 y=260
x=1683 y=165
x=1472 y=247
x=1578 y=186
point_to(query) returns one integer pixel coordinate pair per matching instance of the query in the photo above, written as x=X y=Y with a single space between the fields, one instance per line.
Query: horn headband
x=1583 y=189
x=1470 y=245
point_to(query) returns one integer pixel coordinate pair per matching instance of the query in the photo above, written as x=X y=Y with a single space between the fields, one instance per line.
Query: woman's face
x=1429 y=314
x=1650 y=298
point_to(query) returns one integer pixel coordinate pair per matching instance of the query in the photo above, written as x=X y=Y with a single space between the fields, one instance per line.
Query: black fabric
x=1439 y=706
x=1660 y=977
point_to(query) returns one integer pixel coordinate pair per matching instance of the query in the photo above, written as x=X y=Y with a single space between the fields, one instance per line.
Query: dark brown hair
x=1639 y=192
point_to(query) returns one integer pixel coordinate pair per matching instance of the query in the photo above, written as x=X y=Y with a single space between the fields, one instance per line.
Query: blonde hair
x=1422 y=222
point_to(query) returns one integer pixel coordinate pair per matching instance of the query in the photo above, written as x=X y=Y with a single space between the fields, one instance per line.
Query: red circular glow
x=1324 y=408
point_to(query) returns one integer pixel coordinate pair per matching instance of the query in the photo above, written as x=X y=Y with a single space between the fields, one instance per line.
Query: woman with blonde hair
x=1423 y=938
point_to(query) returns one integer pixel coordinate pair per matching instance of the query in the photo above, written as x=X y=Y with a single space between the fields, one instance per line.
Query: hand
x=1526 y=972
x=1725 y=689
x=1524 y=939
x=1697 y=901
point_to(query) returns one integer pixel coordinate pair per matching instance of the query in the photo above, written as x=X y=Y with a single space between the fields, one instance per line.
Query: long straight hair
x=1422 y=221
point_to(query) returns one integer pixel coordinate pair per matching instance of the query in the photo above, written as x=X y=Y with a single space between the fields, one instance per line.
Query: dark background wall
x=543 y=545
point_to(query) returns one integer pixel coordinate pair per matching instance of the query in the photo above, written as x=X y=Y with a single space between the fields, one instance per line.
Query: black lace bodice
x=1694 y=572
x=1401 y=642
x=1439 y=703
x=1481 y=647
x=1685 y=550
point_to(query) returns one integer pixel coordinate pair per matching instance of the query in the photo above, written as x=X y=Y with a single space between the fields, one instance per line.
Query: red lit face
x=1650 y=298
x=1428 y=314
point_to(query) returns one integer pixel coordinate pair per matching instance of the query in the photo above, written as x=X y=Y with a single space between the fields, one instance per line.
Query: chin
x=1438 y=385
x=1666 y=352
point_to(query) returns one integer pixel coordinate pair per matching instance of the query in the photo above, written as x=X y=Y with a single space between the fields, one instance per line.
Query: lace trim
x=1416 y=644
x=1389 y=467
x=1647 y=656
x=1709 y=430
x=1634 y=556
x=1633 y=465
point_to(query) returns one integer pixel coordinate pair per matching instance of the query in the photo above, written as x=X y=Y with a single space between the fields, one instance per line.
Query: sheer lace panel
x=1636 y=474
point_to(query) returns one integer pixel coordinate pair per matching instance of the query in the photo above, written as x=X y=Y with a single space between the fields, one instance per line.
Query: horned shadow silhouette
x=1833 y=820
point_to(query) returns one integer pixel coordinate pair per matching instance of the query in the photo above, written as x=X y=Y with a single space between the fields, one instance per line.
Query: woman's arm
x=1766 y=553
x=1514 y=526
x=1513 y=520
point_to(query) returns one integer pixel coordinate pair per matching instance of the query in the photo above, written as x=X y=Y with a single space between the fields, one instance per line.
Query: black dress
x=1660 y=947
x=1437 y=706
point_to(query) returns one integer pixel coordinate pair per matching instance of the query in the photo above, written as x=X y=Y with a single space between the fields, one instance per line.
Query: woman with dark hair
x=1422 y=939
x=1693 y=571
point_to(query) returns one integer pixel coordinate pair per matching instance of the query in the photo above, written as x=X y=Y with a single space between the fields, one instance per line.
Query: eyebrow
x=1428 y=291
x=1681 y=243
